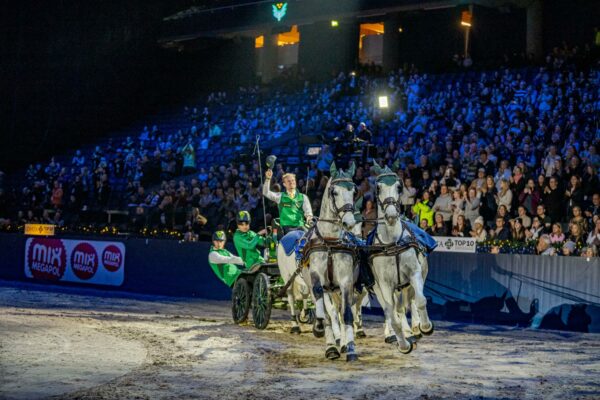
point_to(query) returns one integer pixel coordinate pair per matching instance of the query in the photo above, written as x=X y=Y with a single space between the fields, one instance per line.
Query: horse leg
x=357 y=313
x=408 y=295
x=347 y=292
x=292 y=304
x=331 y=351
x=334 y=317
x=388 y=330
x=317 y=289
x=425 y=324
x=404 y=346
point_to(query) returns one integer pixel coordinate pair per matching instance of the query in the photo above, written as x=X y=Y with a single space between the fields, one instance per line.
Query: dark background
x=70 y=71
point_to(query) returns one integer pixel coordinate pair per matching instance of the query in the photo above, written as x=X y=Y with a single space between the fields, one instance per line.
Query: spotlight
x=334 y=23
x=400 y=30
x=353 y=73
x=383 y=102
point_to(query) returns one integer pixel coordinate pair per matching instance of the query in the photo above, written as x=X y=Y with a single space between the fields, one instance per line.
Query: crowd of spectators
x=505 y=155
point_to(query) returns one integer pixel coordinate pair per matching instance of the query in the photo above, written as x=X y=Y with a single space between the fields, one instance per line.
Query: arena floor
x=75 y=344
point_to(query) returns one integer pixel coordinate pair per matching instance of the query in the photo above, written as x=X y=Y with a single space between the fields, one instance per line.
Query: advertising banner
x=82 y=261
x=455 y=244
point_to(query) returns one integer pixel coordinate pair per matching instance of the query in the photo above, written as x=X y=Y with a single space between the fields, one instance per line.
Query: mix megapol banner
x=82 y=261
x=455 y=244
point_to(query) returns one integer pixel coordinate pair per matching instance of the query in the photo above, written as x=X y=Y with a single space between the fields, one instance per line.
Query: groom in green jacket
x=294 y=207
x=223 y=263
x=246 y=241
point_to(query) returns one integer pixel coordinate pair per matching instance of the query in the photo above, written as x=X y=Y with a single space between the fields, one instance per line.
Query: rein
x=329 y=244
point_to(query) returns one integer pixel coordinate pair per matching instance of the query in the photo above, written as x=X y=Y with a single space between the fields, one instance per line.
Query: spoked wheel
x=261 y=306
x=240 y=300
x=307 y=316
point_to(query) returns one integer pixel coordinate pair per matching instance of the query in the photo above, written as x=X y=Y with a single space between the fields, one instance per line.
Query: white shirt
x=216 y=258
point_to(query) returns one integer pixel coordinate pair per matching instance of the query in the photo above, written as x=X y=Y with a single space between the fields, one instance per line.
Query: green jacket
x=423 y=211
x=290 y=210
x=245 y=245
x=229 y=272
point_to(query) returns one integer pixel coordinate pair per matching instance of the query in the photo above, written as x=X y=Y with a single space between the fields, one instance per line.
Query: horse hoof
x=351 y=357
x=338 y=342
x=344 y=349
x=429 y=332
x=406 y=351
x=332 y=353
x=361 y=334
x=318 y=329
x=295 y=330
x=391 y=339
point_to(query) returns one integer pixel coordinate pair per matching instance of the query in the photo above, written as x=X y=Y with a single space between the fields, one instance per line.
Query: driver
x=246 y=241
x=294 y=207
x=223 y=263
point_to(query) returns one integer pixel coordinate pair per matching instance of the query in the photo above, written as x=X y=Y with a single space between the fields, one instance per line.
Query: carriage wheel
x=240 y=300
x=261 y=307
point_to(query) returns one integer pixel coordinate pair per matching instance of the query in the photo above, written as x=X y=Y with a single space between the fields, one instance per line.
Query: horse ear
x=396 y=165
x=332 y=169
x=376 y=168
x=352 y=169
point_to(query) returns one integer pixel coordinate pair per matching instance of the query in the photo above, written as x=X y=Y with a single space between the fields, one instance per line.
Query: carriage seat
x=290 y=241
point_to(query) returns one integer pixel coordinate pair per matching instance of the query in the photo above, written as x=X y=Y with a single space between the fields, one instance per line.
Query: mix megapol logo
x=112 y=258
x=47 y=259
x=84 y=261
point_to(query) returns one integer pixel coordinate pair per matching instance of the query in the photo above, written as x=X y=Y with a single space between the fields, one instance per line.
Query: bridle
x=338 y=211
x=389 y=201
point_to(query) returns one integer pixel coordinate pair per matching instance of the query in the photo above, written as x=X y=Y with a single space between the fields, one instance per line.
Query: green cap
x=243 y=216
x=219 y=236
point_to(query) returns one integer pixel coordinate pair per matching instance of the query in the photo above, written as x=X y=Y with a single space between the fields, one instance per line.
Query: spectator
x=545 y=220
x=423 y=210
x=578 y=219
x=472 y=205
x=442 y=204
x=478 y=232
x=439 y=227
x=544 y=247
x=553 y=200
x=593 y=238
x=407 y=198
x=526 y=220
x=557 y=235
x=501 y=232
x=461 y=229
x=504 y=196
x=576 y=235
x=458 y=206
x=517 y=231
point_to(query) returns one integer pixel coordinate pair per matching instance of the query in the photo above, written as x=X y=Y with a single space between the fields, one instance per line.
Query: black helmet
x=242 y=216
x=219 y=236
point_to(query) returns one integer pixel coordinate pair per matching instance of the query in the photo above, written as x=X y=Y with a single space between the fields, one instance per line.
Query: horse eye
x=335 y=193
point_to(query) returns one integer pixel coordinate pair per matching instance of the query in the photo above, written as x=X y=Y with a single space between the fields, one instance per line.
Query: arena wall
x=518 y=290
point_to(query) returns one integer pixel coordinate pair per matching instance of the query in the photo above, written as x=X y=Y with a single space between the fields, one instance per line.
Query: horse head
x=389 y=189
x=340 y=195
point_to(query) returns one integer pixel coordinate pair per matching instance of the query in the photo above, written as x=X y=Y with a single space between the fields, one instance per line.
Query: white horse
x=393 y=269
x=332 y=269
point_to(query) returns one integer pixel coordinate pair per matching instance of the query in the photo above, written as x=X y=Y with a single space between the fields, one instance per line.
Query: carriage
x=259 y=288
